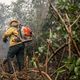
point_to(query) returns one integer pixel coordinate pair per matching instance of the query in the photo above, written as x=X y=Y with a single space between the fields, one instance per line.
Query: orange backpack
x=26 y=31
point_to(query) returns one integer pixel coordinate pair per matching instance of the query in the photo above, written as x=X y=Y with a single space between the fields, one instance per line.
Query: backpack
x=26 y=31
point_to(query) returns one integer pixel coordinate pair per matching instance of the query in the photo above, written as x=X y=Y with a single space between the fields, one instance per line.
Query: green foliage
x=59 y=71
x=41 y=49
x=78 y=62
x=70 y=64
x=73 y=66
x=59 y=35
x=63 y=4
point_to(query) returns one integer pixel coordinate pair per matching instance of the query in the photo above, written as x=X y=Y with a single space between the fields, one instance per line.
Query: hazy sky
x=8 y=2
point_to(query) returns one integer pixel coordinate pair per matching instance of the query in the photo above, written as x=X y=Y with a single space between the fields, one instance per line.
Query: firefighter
x=16 y=46
x=27 y=34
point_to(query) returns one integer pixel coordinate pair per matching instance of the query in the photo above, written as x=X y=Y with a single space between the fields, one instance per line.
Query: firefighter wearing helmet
x=16 y=45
